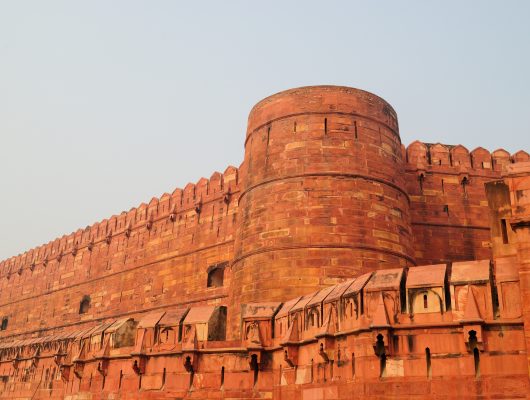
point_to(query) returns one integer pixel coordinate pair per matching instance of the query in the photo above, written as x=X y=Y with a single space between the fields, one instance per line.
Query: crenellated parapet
x=439 y=157
x=175 y=206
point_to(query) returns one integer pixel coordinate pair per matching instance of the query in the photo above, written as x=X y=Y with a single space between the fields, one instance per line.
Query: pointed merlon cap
x=338 y=291
x=199 y=315
x=173 y=317
x=260 y=310
x=506 y=269
x=286 y=308
x=320 y=297
x=150 y=320
x=358 y=285
x=426 y=276
x=466 y=272
x=385 y=279
x=300 y=305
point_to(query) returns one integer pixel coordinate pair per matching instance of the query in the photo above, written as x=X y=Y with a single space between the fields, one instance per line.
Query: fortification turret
x=323 y=195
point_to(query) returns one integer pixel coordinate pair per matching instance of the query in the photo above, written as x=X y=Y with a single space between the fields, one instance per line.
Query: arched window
x=425 y=302
x=84 y=305
x=216 y=274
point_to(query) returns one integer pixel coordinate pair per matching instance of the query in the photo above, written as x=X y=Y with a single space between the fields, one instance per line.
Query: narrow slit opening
x=428 y=362
x=504 y=230
x=476 y=358
x=382 y=366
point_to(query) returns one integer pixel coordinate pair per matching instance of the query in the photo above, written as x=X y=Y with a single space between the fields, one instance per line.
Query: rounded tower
x=322 y=195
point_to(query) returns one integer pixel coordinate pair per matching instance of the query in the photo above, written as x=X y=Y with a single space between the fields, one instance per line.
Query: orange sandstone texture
x=333 y=264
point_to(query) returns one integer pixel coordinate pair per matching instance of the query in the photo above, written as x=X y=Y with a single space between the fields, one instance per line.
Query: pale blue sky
x=105 y=104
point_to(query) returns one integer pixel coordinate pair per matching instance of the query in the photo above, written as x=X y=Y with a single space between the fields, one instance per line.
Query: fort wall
x=333 y=261
x=152 y=257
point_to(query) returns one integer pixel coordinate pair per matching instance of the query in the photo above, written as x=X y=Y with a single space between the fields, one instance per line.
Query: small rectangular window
x=504 y=231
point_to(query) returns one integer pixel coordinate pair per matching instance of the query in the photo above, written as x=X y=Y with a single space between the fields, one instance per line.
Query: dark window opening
x=476 y=358
x=222 y=376
x=84 y=305
x=3 y=327
x=294 y=128
x=473 y=341
x=216 y=275
x=428 y=362
x=325 y=126
x=425 y=302
x=382 y=366
x=504 y=231
x=254 y=366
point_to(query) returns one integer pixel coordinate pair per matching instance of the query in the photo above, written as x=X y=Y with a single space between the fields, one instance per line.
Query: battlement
x=169 y=206
x=440 y=157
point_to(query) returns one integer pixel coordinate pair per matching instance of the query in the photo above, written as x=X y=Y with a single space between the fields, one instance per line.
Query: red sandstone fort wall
x=449 y=208
x=326 y=193
x=154 y=256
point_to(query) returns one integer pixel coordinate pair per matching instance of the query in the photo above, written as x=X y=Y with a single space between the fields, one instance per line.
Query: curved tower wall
x=323 y=194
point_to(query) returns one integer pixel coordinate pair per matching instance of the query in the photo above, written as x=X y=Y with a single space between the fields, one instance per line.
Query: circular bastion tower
x=322 y=198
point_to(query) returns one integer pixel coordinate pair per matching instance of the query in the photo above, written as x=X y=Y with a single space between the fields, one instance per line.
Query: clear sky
x=105 y=104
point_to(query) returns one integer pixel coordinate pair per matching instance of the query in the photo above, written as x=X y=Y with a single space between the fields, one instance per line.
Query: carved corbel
x=103 y=366
x=326 y=348
x=128 y=230
x=190 y=362
x=79 y=365
x=58 y=358
x=35 y=358
x=473 y=337
x=326 y=339
x=254 y=360
x=139 y=361
x=64 y=370
x=198 y=207
x=190 y=345
x=149 y=223
x=290 y=355
x=227 y=197
x=381 y=339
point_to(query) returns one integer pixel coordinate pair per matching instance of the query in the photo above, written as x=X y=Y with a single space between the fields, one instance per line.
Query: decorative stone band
x=325 y=246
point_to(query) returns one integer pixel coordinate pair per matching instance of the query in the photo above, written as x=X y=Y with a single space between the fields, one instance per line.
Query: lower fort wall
x=380 y=347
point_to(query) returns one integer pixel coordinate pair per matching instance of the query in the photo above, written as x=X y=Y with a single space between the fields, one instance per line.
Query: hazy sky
x=105 y=104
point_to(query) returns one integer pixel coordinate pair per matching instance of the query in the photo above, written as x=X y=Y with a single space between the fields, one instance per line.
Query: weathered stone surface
x=333 y=264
